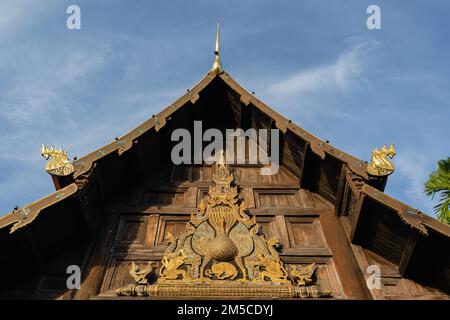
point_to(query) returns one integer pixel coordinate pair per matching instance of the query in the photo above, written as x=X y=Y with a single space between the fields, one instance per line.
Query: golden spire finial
x=217 y=66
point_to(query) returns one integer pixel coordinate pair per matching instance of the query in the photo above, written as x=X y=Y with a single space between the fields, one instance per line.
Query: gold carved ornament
x=139 y=275
x=59 y=164
x=221 y=254
x=303 y=276
x=380 y=165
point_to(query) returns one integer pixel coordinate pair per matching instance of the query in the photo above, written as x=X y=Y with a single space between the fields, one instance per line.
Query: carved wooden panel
x=276 y=198
x=202 y=174
x=132 y=230
x=252 y=174
x=191 y=173
x=325 y=275
x=248 y=174
x=181 y=173
x=268 y=226
x=118 y=272
x=175 y=224
x=152 y=229
x=162 y=198
x=305 y=232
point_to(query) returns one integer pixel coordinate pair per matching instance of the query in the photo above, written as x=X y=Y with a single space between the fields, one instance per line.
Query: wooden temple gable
x=124 y=202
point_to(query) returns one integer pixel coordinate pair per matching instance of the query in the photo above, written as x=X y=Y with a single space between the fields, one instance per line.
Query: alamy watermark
x=241 y=147
x=373 y=281
x=73 y=21
x=74 y=279
x=374 y=20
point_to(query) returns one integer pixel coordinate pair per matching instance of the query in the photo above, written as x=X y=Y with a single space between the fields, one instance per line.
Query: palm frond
x=439 y=182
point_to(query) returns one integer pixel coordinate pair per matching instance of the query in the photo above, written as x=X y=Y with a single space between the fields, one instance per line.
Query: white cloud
x=413 y=169
x=15 y=14
x=342 y=74
x=313 y=93
x=33 y=90
x=42 y=97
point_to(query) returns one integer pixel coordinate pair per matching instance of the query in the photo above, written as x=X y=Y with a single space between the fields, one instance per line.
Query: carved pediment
x=222 y=254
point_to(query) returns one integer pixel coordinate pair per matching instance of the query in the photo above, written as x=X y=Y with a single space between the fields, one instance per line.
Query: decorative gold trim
x=225 y=290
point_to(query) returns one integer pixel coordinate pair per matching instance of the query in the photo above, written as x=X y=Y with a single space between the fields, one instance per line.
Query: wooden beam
x=92 y=274
x=350 y=274
x=182 y=210
x=408 y=252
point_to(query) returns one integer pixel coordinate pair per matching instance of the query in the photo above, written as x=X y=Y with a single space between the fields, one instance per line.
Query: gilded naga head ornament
x=59 y=164
x=380 y=165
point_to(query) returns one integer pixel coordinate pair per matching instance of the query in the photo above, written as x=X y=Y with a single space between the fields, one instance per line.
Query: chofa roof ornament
x=59 y=164
x=380 y=165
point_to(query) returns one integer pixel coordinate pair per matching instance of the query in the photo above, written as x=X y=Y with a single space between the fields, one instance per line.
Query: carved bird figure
x=304 y=276
x=140 y=276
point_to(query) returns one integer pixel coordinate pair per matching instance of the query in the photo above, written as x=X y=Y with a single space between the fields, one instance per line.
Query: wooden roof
x=349 y=174
x=124 y=143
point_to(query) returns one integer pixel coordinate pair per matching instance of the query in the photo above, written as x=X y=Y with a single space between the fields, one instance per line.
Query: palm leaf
x=439 y=182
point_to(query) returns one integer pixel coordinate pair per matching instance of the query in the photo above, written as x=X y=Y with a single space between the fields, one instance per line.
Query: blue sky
x=313 y=61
